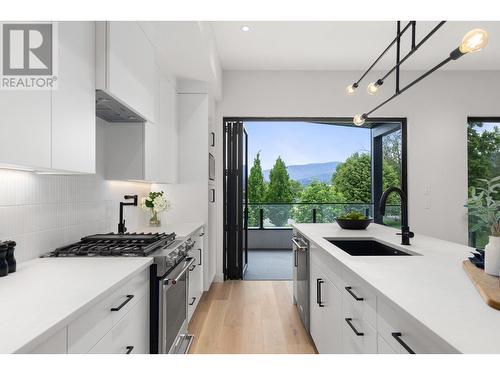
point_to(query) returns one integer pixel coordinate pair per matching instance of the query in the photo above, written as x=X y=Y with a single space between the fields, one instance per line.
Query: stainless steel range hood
x=111 y=110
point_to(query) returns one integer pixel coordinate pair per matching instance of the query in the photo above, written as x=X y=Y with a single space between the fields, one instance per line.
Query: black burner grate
x=110 y=244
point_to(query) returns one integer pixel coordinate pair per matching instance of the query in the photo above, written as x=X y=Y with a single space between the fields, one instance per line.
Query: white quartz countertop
x=43 y=295
x=180 y=229
x=433 y=287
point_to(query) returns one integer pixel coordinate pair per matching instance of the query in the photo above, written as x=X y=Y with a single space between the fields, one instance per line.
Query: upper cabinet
x=73 y=103
x=54 y=130
x=126 y=67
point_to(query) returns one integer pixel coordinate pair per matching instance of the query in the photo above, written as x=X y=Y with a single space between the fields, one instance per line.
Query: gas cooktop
x=112 y=244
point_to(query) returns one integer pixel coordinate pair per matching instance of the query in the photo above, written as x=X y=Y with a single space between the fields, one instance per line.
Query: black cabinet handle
x=349 y=320
x=129 y=349
x=202 y=234
x=129 y=297
x=192 y=268
x=193 y=299
x=349 y=290
x=397 y=337
x=319 y=282
x=295 y=256
x=200 y=257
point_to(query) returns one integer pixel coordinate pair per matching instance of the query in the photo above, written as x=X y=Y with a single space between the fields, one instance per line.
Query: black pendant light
x=475 y=40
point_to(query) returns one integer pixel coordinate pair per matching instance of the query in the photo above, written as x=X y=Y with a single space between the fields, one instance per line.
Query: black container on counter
x=4 y=267
x=11 y=261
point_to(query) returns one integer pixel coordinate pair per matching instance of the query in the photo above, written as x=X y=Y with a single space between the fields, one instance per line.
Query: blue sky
x=303 y=143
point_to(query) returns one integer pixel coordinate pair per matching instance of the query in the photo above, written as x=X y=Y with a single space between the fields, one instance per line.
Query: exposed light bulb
x=475 y=40
x=372 y=88
x=359 y=120
x=350 y=90
x=245 y=28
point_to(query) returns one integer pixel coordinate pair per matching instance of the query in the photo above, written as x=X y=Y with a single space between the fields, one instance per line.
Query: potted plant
x=353 y=220
x=485 y=209
x=155 y=203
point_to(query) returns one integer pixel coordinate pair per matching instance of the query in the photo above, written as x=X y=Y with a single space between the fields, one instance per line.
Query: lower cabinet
x=130 y=335
x=325 y=310
x=196 y=273
x=116 y=324
x=349 y=316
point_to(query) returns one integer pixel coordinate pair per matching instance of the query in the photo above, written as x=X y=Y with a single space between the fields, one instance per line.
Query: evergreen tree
x=279 y=190
x=256 y=192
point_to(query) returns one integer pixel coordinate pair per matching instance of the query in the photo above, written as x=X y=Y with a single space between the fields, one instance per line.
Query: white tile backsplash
x=42 y=212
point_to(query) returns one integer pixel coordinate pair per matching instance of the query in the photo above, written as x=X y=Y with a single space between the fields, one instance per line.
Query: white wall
x=42 y=212
x=436 y=109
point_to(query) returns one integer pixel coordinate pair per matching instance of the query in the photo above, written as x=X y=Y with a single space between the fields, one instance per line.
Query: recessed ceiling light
x=245 y=28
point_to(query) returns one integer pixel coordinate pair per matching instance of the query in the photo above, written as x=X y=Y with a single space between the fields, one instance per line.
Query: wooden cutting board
x=488 y=286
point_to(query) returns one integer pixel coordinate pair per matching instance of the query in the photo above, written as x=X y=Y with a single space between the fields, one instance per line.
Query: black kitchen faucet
x=406 y=234
x=121 y=225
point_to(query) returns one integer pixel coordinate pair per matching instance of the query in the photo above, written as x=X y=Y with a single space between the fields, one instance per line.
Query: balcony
x=270 y=225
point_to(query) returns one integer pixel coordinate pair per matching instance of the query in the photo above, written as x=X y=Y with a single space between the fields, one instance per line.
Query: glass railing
x=283 y=215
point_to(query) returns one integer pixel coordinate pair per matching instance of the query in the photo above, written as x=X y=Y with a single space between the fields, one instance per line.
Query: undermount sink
x=366 y=248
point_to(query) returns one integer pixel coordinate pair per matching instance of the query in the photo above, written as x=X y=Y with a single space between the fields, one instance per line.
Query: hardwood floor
x=248 y=317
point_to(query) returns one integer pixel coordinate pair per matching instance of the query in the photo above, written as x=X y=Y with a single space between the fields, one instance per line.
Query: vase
x=154 y=221
x=11 y=260
x=492 y=256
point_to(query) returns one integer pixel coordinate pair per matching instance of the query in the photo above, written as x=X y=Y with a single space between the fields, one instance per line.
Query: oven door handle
x=176 y=275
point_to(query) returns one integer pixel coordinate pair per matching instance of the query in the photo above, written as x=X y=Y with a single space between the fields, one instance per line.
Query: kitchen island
x=429 y=292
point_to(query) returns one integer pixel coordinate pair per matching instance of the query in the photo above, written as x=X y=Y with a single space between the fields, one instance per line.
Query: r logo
x=27 y=49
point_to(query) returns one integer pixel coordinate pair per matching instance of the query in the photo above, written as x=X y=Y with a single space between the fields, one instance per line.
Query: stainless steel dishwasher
x=301 y=277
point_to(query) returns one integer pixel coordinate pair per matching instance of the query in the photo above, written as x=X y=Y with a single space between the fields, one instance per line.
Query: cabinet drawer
x=352 y=343
x=358 y=335
x=383 y=347
x=330 y=267
x=93 y=324
x=130 y=335
x=361 y=297
x=405 y=334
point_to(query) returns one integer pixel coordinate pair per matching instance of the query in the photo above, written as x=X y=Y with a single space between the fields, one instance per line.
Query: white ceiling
x=344 y=45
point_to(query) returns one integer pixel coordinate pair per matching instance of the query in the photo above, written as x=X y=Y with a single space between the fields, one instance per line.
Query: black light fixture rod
x=414 y=49
x=384 y=52
x=444 y=62
x=398 y=52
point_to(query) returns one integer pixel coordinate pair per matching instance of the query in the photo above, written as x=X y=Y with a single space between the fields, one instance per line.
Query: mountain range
x=305 y=173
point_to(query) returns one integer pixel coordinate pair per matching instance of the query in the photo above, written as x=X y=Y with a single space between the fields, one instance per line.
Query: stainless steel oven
x=301 y=277
x=174 y=291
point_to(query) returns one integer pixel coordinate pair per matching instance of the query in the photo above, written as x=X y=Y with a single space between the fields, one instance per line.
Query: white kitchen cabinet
x=196 y=273
x=73 y=102
x=54 y=130
x=325 y=310
x=130 y=335
x=160 y=138
x=126 y=67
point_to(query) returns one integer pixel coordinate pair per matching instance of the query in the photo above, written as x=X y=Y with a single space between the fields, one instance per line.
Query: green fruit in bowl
x=353 y=215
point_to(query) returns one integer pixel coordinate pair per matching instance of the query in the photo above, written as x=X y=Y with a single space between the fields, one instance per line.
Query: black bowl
x=353 y=224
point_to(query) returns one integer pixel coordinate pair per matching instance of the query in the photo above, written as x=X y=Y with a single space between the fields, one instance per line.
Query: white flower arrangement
x=155 y=202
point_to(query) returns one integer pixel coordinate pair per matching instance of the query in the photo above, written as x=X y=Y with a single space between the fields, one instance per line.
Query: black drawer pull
x=193 y=299
x=129 y=349
x=348 y=320
x=129 y=297
x=397 y=337
x=319 y=282
x=201 y=254
x=191 y=269
x=296 y=260
x=349 y=290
